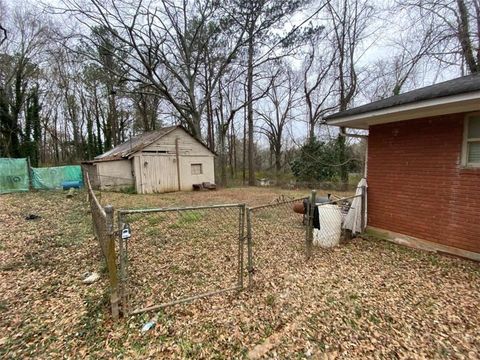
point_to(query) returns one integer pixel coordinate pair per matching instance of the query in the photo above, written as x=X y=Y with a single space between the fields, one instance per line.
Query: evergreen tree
x=37 y=127
x=323 y=161
x=32 y=133
x=8 y=129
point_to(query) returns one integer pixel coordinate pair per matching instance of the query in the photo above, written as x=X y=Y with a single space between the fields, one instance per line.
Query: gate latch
x=126 y=233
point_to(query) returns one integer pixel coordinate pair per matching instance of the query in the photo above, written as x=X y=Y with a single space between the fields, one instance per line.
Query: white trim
x=468 y=102
x=466 y=140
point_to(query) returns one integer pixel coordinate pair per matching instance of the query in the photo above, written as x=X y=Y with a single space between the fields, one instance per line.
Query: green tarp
x=13 y=175
x=53 y=177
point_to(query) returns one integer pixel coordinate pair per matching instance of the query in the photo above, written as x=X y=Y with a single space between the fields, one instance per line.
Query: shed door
x=159 y=173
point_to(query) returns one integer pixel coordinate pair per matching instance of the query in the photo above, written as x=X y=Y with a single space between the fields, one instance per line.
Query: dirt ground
x=364 y=299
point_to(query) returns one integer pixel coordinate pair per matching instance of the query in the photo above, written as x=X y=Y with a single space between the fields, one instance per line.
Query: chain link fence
x=168 y=256
x=275 y=236
x=278 y=236
x=174 y=255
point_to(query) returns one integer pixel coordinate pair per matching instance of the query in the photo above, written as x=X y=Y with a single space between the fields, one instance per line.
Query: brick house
x=423 y=165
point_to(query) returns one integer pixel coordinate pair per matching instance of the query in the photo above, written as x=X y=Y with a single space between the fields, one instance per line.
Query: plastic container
x=66 y=185
x=330 y=226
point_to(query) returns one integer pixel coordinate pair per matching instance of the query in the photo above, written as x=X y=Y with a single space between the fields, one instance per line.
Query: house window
x=197 y=169
x=471 y=141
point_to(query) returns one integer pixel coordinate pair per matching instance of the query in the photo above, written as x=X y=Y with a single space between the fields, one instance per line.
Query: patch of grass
x=270 y=300
x=155 y=220
x=103 y=266
x=188 y=348
x=37 y=260
x=187 y=218
x=131 y=218
x=3 y=305
x=77 y=228
x=358 y=311
x=152 y=231
x=128 y=190
x=90 y=331
x=330 y=300
x=191 y=217
x=268 y=330
x=11 y=266
x=374 y=319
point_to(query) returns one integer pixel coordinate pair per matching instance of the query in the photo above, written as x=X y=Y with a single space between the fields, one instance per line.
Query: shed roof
x=461 y=85
x=137 y=143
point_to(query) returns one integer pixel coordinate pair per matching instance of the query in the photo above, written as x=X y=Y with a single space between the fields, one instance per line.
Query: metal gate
x=174 y=255
x=276 y=235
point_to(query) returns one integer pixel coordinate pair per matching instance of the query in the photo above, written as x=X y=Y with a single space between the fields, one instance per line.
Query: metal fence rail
x=174 y=255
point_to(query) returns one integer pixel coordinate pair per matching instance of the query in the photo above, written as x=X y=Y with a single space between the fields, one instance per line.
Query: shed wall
x=187 y=144
x=114 y=174
x=91 y=170
x=188 y=179
x=155 y=166
x=417 y=185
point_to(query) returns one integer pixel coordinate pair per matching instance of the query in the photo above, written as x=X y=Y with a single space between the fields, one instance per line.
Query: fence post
x=110 y=258
x=249 y=248
x=241 y=239
x=310 y=211
x=123 y=270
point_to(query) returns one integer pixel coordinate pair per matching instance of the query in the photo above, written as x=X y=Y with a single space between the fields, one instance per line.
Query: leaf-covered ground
x=366 y=298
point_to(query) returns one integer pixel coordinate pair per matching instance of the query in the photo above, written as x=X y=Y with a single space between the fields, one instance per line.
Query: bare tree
x=456 y=28
x=349 y=26
x=231 y=101
x=319 y=81
x=3 y=30
x=276 y=110
x=165 y=46
x=260 y=16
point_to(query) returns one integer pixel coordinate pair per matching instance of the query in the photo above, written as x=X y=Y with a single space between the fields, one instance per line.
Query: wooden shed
x=169 y=159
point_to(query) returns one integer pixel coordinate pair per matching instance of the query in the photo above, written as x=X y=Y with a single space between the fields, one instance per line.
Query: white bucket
x=330 y=226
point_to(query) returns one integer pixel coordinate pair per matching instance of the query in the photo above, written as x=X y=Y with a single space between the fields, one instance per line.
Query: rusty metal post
x=110 y=258
x=241 y=242
x=249 y=247
x=123 y=258
x=309 y=232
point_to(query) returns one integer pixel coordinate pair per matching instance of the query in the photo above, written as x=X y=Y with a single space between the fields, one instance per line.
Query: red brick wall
x=416 y=185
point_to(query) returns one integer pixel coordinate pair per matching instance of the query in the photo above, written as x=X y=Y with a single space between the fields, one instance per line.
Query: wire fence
x=103 y=230
x=275 y=236
x=165 y=256
x=174 y=255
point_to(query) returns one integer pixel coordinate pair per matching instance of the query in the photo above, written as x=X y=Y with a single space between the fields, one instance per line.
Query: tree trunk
x=251 y=169
x=223 y=162
x=342 y=158
x=278 y=160
x=244 y=154
x=464 y=38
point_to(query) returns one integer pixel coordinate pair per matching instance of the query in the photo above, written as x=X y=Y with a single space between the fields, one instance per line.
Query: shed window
x=197 y=169
x=471 y=141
